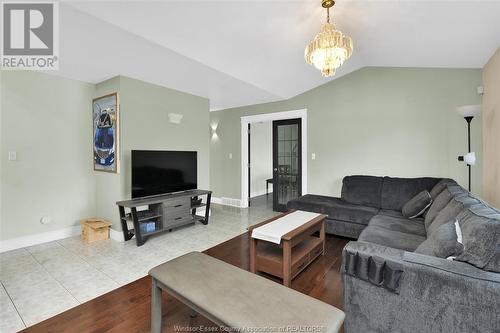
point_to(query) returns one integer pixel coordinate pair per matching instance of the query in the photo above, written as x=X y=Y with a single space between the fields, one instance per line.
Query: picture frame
x=106 y=133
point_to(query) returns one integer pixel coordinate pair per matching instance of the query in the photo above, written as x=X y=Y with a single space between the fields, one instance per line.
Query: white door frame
x=302 y=114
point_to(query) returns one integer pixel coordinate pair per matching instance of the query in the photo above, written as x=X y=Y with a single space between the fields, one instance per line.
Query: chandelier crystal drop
x=330 y=48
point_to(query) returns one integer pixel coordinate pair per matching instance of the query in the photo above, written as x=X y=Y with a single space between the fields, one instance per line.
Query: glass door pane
x=286 y=162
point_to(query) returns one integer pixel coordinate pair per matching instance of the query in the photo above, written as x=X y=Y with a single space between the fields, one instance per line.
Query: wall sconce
x=175 y=118
x=213 y=131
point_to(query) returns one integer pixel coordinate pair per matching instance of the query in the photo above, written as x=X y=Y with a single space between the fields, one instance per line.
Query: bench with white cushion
x=237 y=299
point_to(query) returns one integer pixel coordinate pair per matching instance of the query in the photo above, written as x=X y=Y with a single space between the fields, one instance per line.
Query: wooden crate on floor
x=94 y=229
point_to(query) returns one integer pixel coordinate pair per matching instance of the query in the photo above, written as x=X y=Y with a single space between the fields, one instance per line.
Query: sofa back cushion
x=442 y=242
x=440 y=186
x=398 y=191
x=480 y=226
x=494 y=263
x=441 y=201
x=450 y=212
x=362 y=190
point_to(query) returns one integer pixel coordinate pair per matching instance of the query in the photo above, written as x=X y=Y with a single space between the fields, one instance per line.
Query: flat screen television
x=157 y=172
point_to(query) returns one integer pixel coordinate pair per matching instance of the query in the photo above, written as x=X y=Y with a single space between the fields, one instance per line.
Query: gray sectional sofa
x=394 y=278
x=362 y=199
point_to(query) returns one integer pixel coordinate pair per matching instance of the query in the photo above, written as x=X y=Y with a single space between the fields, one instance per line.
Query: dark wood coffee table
x=297 y=249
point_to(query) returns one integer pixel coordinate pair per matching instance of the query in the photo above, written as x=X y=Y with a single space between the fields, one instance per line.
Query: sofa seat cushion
x=391 y=238
x=402 y=224
x=390 y=212
x=335 y=208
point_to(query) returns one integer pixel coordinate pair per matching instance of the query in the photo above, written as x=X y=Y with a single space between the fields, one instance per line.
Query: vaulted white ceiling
x=246 y=52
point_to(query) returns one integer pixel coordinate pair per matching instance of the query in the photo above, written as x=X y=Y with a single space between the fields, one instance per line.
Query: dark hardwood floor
x=127 y=309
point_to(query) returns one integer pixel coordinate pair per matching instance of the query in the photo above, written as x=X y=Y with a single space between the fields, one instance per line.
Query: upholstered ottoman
x=237 y=299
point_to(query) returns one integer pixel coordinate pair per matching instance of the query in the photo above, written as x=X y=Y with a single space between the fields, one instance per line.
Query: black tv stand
x=164 y=213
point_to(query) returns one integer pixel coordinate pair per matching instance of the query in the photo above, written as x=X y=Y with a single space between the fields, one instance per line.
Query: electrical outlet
x=12 y=156
x=313 y=156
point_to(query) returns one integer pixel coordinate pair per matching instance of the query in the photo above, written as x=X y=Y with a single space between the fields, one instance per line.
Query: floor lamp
x=468 y=112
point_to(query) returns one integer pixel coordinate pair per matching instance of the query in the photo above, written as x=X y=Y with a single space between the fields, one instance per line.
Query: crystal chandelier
x=330 y=48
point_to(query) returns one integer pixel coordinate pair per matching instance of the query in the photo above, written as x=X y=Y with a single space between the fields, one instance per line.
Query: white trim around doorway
x=302 y=114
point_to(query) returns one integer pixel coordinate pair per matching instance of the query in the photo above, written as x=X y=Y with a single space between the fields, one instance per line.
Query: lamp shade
x=469 y=158
x=468 y=110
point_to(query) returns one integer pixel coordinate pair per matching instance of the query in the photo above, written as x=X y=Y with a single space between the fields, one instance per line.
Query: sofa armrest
x=433 y=294
x=399 y=257
x=452 y=267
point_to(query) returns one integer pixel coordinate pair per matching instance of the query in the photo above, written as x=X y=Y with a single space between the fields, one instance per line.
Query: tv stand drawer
x=177 y=221
x=178 y=212
x=177 y=203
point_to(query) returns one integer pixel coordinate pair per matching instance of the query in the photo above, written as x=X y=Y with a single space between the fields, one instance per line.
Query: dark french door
x=287 y=162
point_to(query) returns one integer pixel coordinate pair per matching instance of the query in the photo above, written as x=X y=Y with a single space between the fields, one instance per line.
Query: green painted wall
x=144 y=110
x=378 y=121
x=386 y=121
x=47 y=121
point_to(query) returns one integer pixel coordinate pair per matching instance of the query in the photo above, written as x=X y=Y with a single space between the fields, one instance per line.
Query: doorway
x=287 y=162
x=270 y=117
x=260 y=164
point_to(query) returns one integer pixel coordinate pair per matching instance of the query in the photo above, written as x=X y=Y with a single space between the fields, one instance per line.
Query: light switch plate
x=230 y=156
x=313 y=156
x=12 y=156
x=46 y=220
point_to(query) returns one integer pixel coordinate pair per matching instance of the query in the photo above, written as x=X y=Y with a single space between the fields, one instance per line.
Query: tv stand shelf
x=164 y=213
x=141 y=217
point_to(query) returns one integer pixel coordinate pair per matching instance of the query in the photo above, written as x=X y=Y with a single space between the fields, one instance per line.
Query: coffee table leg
x=322 y=235
x=253 y=254
x=287 y=263
x=155 y=307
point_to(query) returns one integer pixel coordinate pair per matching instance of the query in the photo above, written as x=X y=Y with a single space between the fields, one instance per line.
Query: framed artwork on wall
x=106 y=133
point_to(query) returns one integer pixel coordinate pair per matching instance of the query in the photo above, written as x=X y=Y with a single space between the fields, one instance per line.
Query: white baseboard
x=235 y=202
x=227 y=201
x=44 y=237
x=259 y=193
x=216 y=200
x=116 y=235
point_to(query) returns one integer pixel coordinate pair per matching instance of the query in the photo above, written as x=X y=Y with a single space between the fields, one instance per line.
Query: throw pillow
x=451 y=210
x=480 y=226
x=442 y=243
x=417 y=205
x=494 y=263
x=458 y=230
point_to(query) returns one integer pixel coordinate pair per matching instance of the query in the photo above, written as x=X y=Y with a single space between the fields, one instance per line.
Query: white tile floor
x=41 y=281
